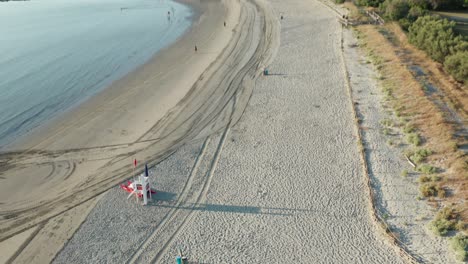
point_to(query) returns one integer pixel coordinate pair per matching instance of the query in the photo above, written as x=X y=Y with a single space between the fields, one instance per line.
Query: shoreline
x=70 y=131
x=38 y=133
x=86 y=72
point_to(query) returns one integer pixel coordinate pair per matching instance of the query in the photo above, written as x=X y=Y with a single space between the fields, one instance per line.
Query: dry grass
x=355 y=14
x=456 y=94
x=426 y=118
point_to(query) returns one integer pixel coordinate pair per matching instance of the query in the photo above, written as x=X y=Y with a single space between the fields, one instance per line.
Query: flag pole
x=134 y=166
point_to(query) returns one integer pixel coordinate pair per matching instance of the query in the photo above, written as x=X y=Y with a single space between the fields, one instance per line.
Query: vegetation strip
x=380 y=222
x=429 y=117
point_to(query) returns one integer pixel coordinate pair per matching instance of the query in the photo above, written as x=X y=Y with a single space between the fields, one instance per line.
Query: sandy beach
x=64 y=165
x=284 y=184
x=247 y=168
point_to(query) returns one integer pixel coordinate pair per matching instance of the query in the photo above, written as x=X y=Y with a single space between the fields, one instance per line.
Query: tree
x=435 y=36
x=457 y=66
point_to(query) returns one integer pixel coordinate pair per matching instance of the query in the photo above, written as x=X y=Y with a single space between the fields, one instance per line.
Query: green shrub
x=435 y=36
x=374 y=3
x=428 y=189
x=413 y=138
x=405 y=23
x=408 y=129
x=427 y=169
x=457 y=65
x=395 y=9
x=404 y=173
x=445 y=220
x=441 y=226
x=459 y=244
x=432 y=189
x=415 y=12
x=339 y=1
x=419 y=156
x=424 y=178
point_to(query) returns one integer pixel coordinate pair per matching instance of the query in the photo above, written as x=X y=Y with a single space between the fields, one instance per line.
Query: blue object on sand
x=178 y=260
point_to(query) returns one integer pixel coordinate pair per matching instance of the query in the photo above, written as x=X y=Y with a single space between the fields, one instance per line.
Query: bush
x=415 y=12
x=404 y=173
x=414 y=139
x=457 y=65
x=420 y=155
x=427 y=169
x=435 y=178
x=441 y=226
x=339 y=1
x=431 y=189
x=373 y=3
x=435 y=36
x=445 y=221
x=405 y=23
x=459 y=244
x=408 y=129
x=424 y=178
x=395 y=9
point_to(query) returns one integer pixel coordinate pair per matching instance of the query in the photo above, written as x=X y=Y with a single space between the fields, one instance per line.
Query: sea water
x=56 y=53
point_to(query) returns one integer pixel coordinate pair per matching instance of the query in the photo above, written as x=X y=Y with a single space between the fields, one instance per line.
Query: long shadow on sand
x=234 y=209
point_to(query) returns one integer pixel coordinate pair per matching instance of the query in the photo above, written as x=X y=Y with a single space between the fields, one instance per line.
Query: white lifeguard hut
x=139 y=187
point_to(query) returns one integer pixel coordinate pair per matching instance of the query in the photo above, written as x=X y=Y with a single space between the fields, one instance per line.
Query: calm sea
x=56 y=53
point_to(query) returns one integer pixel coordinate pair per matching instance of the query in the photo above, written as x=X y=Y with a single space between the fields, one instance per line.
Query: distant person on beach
x=224 y=23
x=196 y=49
x=281 y=17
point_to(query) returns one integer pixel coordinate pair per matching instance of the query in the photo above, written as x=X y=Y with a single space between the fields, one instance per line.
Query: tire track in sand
x=173 y=212
x=193 y=193
x=200 y=199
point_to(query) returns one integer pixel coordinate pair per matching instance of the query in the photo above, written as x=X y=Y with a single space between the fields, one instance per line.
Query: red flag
x=134 y=162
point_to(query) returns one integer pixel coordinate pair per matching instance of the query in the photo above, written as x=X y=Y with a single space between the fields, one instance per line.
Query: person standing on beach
x=224 y=23
x=196 y=49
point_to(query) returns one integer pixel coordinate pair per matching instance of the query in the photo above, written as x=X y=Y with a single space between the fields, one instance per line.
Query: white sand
x=282 y=185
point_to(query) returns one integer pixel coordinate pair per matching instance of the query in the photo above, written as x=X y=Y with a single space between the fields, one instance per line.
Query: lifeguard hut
x=139 y=187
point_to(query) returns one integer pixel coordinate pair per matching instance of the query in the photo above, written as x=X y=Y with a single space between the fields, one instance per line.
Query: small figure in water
x=196 y=49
